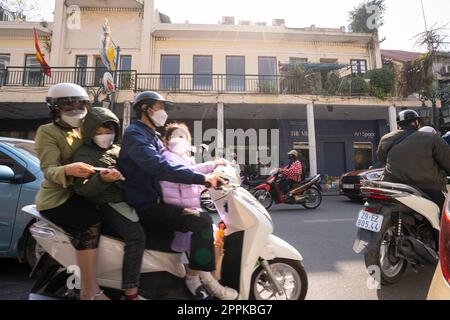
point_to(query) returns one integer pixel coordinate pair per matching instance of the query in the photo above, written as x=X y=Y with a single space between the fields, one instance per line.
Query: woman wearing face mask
x=178 y=152
x=104 y=190
x=56 y=144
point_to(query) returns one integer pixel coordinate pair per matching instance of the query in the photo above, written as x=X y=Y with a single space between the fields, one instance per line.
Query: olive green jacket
x=421 y=160
x=55 y=147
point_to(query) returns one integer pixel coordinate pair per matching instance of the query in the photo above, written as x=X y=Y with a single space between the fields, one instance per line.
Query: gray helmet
x=149 y=98
x=407 y=116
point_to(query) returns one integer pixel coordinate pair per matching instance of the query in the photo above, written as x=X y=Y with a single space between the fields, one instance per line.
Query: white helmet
x=64 y=93
x=428 y=130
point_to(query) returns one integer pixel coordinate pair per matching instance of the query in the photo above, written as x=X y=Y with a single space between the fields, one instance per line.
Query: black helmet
x=407 y=116
x=150 y=98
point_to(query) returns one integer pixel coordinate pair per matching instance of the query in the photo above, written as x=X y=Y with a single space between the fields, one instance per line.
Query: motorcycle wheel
x=388 y=268
x=207 y=204
x=290 y=274
x=264 y=197
x=313 y=199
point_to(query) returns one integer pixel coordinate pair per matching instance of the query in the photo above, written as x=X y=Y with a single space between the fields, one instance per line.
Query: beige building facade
x=224 y=76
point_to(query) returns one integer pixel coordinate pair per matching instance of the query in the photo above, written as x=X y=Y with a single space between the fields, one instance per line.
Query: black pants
x=437 y=196
x=134 y=237
x=164 y=220
x=286 y=185
x=80 y=219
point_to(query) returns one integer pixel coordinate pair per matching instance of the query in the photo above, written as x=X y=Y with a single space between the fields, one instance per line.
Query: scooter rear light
x=377 y=194
x=372 y=209
x=444 y=242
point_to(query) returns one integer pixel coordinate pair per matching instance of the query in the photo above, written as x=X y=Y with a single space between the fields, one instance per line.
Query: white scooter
x=398 y=225
x=256 y=263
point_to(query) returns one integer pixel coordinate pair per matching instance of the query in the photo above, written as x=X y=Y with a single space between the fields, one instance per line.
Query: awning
x=315 y=66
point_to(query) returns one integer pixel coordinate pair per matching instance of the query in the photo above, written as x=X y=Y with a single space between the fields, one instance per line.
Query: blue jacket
x=143 y=167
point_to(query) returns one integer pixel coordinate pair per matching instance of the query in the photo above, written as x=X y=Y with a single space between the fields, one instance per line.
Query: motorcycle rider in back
x=142 y=165
x=178 y=150
x=419 y=159
x=292 y=173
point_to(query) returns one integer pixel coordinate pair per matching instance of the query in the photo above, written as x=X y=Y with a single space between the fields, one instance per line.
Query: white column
x=312 y=138
x=392 y=118
x=220 y=129
x=146 y=37
x=58 y=38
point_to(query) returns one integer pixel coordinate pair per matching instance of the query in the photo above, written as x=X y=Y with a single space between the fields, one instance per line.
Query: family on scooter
x=145 y=187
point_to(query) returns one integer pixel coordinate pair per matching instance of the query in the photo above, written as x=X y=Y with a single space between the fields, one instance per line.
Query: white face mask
x=104 y=141
x=74 y=118
x=159 y=118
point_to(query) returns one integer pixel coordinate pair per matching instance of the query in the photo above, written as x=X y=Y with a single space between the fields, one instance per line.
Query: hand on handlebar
x=214 y=181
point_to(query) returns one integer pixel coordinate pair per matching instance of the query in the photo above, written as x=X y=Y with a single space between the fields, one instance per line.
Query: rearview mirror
x=6 y=173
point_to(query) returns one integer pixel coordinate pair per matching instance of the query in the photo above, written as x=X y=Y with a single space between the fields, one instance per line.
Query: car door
x=9 y=196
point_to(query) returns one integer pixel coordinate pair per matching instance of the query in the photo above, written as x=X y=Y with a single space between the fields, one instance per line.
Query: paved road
x=325 y=239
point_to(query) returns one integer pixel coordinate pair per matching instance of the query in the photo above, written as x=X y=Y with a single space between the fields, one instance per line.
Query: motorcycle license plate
x=369 y=221
x=348 y=186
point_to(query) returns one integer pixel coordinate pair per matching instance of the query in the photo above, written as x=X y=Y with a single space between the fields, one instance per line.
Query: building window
x=359 y=67
x=81 y=65
x=363 y=155
x=329 y=61
x=294 y=62
x=235 y=73
x=267 y=74
x=100 y=70
x=203 y=73
x=125 y=76
x=170 y=73
x=33 y=74
x=4 y=63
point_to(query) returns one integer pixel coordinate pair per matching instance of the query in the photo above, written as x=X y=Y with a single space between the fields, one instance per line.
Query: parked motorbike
x=307 y=193
x=398 y=225
x=256 y=263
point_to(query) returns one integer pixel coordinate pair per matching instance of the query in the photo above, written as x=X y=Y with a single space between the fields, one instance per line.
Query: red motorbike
x=306 y=193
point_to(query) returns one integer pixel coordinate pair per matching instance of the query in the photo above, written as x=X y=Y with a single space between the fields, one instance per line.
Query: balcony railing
x=86 y=77
x=178 y=83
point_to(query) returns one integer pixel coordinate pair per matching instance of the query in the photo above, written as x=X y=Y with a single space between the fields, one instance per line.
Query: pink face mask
x=179 y=143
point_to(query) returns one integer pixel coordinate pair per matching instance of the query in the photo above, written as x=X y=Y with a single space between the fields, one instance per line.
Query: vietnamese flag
x=40 y=57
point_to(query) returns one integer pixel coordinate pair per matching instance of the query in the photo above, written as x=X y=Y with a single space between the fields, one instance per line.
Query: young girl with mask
x=178 y=152
x=104 y=190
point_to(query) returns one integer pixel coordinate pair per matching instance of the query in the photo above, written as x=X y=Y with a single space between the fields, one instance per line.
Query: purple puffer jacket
x=184 y=195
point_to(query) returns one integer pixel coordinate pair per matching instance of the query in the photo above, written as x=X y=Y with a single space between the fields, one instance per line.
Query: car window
x=26 y=148
x=6 y=160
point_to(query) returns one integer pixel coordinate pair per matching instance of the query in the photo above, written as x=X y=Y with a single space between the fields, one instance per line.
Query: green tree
x=22 y=9
x=367 y=17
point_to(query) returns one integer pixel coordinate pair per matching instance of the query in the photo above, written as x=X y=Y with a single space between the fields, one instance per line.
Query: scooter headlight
x=40 y=232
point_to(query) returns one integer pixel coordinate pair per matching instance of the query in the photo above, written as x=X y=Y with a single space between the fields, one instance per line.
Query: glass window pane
x=170 y=72
x=100 y=70
x=124 y=76
x=33 y=74
x=363 y=155
x=81 y=65
x=202 y=73
x=4 y=63
x=235 y=73
x=267 y=74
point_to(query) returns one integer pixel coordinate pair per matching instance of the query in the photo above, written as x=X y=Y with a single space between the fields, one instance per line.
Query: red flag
x=40 y=57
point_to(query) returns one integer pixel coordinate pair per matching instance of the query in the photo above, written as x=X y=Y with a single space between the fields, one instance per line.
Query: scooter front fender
x=278 y=248
x=364 y=241
x=264 y=186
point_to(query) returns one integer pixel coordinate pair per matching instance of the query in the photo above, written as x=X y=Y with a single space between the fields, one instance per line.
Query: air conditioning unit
x=446 y=70
x=244 y=23
x=228 y=20
x=278 y=22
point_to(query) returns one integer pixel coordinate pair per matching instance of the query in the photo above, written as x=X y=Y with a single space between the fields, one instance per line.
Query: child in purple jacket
x=178 y=148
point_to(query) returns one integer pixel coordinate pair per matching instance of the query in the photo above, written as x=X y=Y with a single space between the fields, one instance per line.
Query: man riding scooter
x=292 y=173
x=143 y=167
x=415 y=158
